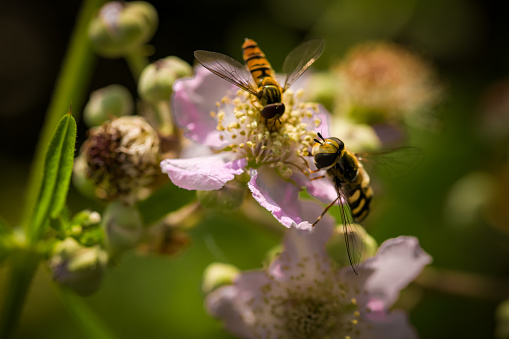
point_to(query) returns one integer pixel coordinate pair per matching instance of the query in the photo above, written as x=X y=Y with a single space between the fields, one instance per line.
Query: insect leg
x=325 y=211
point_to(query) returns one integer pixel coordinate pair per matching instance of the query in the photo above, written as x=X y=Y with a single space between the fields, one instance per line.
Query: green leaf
x=166 y=199
x=56 y=177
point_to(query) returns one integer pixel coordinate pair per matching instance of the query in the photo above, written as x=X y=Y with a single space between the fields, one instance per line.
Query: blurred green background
x=157 y=297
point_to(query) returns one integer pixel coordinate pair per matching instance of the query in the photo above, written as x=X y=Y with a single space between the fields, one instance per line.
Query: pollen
x=276 y=143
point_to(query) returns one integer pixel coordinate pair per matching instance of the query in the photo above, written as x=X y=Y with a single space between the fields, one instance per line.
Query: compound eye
x=273 y=111
x=325 y=160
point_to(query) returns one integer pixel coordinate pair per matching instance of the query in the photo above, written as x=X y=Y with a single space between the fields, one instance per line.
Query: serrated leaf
x=165 y=200
x=57 y=175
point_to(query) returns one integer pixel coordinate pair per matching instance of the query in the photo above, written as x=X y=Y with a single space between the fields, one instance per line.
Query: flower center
x=320 y=314
x=276 y=142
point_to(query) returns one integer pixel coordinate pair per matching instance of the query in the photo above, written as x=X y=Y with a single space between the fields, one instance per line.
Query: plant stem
x=23 y=267
x=464 y=284
x=70 y=88
x=137 y=61
x=84 y=317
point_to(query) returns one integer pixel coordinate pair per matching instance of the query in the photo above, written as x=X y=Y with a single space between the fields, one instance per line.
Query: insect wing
x=392 y=164
x=227 y=68
x=354 y=240
x=299 y=60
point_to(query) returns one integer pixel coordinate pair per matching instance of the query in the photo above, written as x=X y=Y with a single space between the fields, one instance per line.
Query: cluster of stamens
x=275 y=142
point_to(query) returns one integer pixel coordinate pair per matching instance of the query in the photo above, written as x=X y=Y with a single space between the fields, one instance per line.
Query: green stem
x=70 y=88
x=23 y=267
x=464 y=284
x=137 y=61
x=88 y=321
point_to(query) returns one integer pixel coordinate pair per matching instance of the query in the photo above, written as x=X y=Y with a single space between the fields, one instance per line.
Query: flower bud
x=217 y=275
x=469 y=197
x=78 y=267
x=502 y=319
x=122 y=27
x=228 y=198
x=361 y=245
x=83 y=183
x=358 y=137
x=156 y=80
x=107 y=103
x=122 y=156
x=86 y=228
x=123 y=227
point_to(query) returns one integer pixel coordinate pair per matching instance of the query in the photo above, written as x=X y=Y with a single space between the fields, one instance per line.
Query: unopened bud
x=217 y=275
x=78 y=267
x=156 y=80
x=86 y=228
x=122 y=27
x=123 y=227
x=107 y=103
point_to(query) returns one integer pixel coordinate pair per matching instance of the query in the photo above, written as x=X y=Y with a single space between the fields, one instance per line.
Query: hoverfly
x=266 y=88
x=353 y=185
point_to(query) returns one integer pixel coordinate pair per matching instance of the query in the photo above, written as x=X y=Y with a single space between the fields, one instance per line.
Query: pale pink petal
x=322 y=189
x=203 y=173
x=278 y=196
x=394 y=325
x=304 y=248
x=192 y=101
x=397 y=262
x=239 y=305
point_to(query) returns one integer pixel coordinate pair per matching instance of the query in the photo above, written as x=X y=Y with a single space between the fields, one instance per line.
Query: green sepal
x=166 y=199
x=57 y=175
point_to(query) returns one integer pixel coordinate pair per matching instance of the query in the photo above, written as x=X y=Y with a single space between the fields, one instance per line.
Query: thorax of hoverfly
x=257 y=76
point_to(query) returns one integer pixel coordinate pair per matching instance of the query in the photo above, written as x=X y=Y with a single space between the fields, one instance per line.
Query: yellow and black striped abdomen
x=256 y=61
x=359 y=195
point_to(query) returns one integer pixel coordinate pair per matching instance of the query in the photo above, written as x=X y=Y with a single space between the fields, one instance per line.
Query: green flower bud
x=107 y=103
x=78 y=267
x=322 y=88
x=358 y=137
x=123 y=227
x=468 y=198
x=122 y=157
x=228 y=198
x=360 y=243
x=85 y=227
x=156 y=80
x=502 y=318
x=122 y=27
x=80 y=179
x=217 y=275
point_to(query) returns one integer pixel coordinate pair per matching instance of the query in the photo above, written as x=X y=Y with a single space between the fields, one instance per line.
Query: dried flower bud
x=107 y=103
x=121 y=27
x=382 y=82
x=122 y=156
x=123 y=227
x=156 y=80
x=78 y=267
x=217 y=275
x=228 y=198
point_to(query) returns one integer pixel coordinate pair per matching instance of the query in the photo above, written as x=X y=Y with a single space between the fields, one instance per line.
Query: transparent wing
x=353 y=238
x=392 y=164
x=299 y=60
x=227 y=68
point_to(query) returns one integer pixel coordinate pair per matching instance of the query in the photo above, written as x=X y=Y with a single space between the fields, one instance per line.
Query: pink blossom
x=216 y=114
x=303 y=294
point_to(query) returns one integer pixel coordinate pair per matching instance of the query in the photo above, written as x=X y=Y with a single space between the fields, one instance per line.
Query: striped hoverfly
x=265 y=88
x=353 y=185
